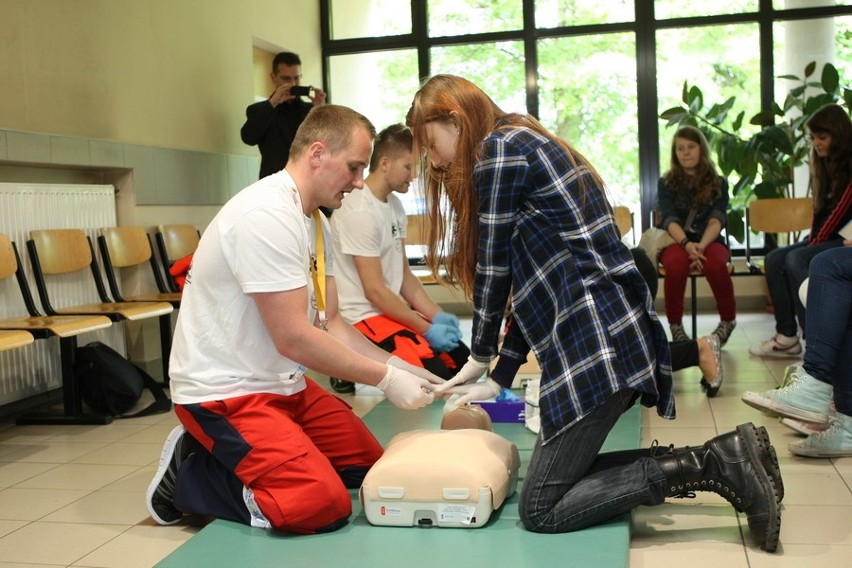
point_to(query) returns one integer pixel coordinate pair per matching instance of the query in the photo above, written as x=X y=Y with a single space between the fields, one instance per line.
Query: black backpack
x=110 y=384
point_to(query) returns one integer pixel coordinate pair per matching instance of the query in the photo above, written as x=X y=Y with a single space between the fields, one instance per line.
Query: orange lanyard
x=318 y=267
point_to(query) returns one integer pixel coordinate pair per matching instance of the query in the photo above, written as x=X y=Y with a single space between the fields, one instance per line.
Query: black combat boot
x=729 y=465
x=767 y=455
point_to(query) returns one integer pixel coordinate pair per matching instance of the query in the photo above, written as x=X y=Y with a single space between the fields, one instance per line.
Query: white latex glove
x=395 y=361
x=470 y=372
x=405 y=390
x=474 y=392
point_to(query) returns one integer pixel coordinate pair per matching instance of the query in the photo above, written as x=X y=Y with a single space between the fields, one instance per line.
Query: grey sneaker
x=723 y=331
x=678 y=333
x=711 y=385
x=161 y=492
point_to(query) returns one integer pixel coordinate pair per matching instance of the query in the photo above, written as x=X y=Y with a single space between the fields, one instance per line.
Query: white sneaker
x=834 y=441
x=772 y=347
x=805 y=398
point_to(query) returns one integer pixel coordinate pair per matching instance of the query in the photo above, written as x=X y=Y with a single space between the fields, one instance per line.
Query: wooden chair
x=415 y=245
x=623 y=220
x=14 y=338
x=175 y=242
x=66 y=328
x=776 y=215
x=127 y=248
x=693 y=279
x=58 y=252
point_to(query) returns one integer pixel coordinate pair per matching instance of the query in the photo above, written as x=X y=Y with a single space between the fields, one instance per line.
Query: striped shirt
x=577 y=296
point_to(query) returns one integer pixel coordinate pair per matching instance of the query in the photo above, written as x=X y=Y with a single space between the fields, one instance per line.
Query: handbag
x=654 y=240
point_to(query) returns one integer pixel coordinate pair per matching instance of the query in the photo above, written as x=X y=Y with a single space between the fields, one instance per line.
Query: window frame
x=644 y=26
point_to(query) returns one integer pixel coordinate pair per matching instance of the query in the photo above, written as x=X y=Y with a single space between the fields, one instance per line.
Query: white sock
x=786 y=340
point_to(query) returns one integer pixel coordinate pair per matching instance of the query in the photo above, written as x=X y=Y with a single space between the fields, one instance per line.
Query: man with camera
x=272 y=124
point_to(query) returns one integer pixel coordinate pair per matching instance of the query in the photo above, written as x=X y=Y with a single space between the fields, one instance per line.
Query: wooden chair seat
x=60 y=326
x=623 y=220
x=64 y=253
x=13 y=339
x=175 y=242
x=129 y=248
x=65 y=328
x=132 y=311
x=774 y=216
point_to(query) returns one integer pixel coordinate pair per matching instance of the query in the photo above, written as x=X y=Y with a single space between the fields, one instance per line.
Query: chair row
x=55 y=254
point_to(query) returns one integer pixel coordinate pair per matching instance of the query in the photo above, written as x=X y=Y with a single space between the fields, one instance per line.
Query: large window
x=723 y=63
x=462 y=17
x=587 y=95
x=378 y=84
x=496 y=67
x=596 y=73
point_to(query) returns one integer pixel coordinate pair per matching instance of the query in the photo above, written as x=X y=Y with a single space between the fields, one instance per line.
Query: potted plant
x=763 y=163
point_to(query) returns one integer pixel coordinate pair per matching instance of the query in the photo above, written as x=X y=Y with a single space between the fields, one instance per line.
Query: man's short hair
x=333 y=125
x=394 y=139
x=287 y=58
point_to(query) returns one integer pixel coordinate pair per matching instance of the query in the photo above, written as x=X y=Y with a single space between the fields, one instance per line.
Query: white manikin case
x=442 y=478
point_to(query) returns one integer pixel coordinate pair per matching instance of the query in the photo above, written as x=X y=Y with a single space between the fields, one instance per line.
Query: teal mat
x=501 y=542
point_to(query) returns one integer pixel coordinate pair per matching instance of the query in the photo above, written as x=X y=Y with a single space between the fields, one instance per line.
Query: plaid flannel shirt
x=577 y=296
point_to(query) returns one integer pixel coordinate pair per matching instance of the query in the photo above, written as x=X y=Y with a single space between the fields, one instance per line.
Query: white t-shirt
x=365 y=226
x=260 y=241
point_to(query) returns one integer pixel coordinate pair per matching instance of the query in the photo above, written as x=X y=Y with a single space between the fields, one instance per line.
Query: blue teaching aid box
x=508 y=407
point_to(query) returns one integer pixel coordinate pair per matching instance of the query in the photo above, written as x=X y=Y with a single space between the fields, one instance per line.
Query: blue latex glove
x=446 y=318
x=506 y=395
x=442 y=338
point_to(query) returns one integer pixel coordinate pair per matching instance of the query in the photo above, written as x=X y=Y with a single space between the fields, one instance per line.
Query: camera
x=300 y=91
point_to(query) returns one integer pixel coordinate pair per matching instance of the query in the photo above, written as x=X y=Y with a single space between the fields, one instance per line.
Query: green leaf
x=674 y=114
x=695 y=99
x=789 y=77
x=684 y=96
x=743 y=183
x=779 y=138
x=765 y=190
x=738 y=122
x=736 y=226
x=847 y=96
x=809 y=69
x=761 y=118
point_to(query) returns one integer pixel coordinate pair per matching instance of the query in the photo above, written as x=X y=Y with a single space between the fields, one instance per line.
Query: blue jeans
x=786 y=269
x=569 y=486
x=828 y=356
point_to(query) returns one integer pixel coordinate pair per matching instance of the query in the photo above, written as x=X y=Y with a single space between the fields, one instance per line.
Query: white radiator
x=24 y=207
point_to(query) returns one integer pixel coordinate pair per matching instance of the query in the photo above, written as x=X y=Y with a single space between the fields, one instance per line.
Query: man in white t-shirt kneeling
x=259 y=441
x=377 y=290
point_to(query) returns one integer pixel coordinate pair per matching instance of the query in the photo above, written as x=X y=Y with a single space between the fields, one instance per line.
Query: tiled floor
x=74 y=496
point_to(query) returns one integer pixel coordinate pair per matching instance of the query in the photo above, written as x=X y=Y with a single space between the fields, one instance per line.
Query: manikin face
x=340 y=173
x=399 y=172
x=821 y=141
x=441 y=138
x=688 y=153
